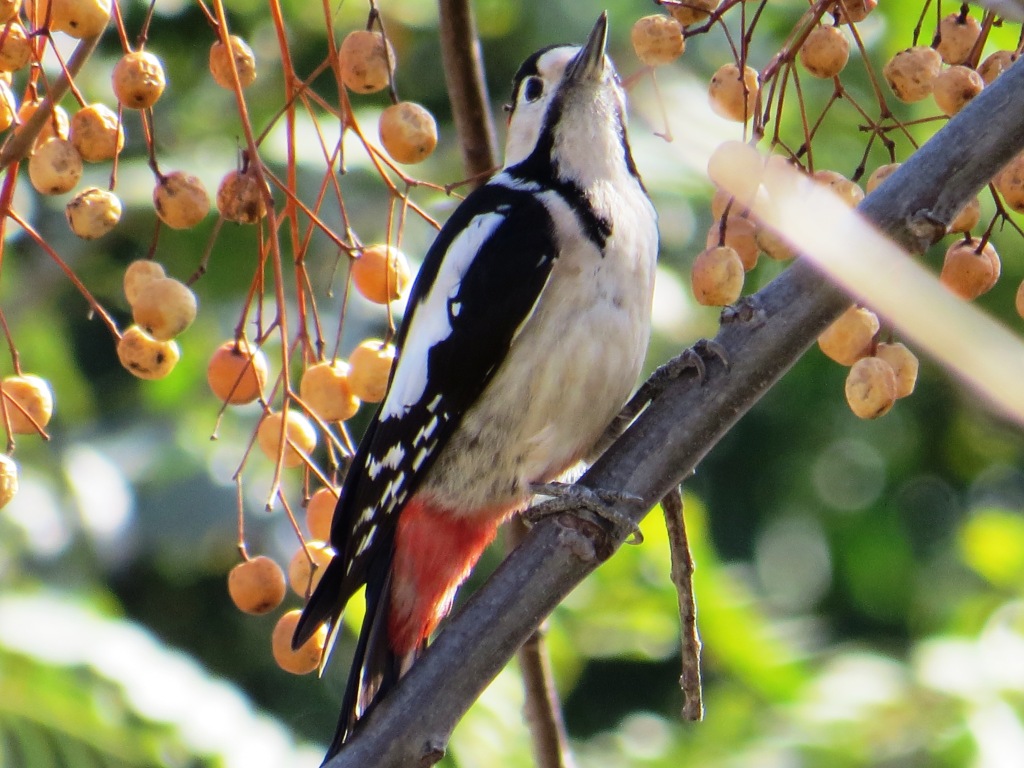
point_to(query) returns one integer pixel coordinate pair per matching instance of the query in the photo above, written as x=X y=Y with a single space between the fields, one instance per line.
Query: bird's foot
x=564 y=497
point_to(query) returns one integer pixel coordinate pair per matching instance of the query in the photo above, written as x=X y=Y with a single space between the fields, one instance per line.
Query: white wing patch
x=431 y=320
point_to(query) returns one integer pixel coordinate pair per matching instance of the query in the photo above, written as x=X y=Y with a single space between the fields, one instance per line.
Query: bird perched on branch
x=524 y=336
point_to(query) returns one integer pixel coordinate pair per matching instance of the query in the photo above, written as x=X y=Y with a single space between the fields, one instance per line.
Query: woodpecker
x=523 y=337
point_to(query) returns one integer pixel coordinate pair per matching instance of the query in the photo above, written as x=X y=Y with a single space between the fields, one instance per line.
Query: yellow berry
x=55 y=167
x=56 y=126
x=969 y=271
x=256 y=586
x=1009 y=183
x=298 y=433
x=164 y=308
x=370 y=370
x=968 y=217
x=306 y=658
x=180 y=200
x=740 y=235
x=870 y=388
x=904 y=364
x=302 y=576
x=8 y=479
x=825 y=52
x=912 y=72
x=408 y=132
x=773 y=244
x=240 y=198
x=139 y=273
x=8 y=106
x=138 y=80
x=657 y=39
x=691 y=11
x=1018 y=301
x=237 y=372
x=955 y=87
x=220 y=63
x=854 y=10
x=996 y=63
x=850 y=336
x=79 y=18
x=97 y=133
x=957 y=37
x=717 y=276
x=367 y=61
x=144 y=356
x=34 y=396
x=93 y=212
x=325 y=391
x=732 y=96
x=320 y=513
x=736 y=167
x=848 y=191
x=381 y=273
x=15 y=48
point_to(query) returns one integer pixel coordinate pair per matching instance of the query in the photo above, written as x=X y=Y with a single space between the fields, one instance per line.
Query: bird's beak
x=588 y=64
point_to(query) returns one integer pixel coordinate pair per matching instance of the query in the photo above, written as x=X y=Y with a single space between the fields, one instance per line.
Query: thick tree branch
x=762 y=337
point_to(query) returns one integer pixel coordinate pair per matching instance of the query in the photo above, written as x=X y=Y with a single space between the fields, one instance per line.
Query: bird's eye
x=533 y=89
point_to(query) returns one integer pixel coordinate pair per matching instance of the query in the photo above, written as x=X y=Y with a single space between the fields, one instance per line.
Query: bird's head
x=568 y=110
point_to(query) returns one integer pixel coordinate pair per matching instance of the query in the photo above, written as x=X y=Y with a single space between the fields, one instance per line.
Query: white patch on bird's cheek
x=430 y=321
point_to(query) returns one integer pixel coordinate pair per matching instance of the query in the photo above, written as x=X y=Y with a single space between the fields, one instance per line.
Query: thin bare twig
x=682 y=578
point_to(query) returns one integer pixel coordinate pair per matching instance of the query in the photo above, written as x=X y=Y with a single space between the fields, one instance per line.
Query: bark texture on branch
x=762 y=337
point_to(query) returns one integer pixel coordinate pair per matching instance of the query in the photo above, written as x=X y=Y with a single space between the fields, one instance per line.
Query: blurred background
x=859 y=584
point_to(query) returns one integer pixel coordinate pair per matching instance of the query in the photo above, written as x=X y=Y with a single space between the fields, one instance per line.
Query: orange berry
x=657 y=39
x=56 y=126
x=736 y=167
x=9 y=9
x=956 y=37
x=237 y=372
x=164 y=308
x=740 y=235
x=180 y=200
x=306 y=658
x=1018 y=302
x=381 y=273
x=370 y=370
x=732 y=96
x=303 y=576
x=8 y=106
x=773 y=244
x=691 y=11
x=93 y=212
x=912 y=72
x=138 y=80
x=717 y=276
x=220 y=63
x=97 y=133
x=955 y=87
x=55 y=167
x=367 y=61
x=325 y=391
x=825 y=52
x=299 y=434
x=34 y=396
x=904 y=364
x=968 y=272
x=408 y=132
x=854 y=10
x=320 y=513
x=240 y=198
x=848 y=191
x=967 y=219
x=8 y=479
x=850 y=336
x=870 y=388
x=146 y=357
x=256 y=586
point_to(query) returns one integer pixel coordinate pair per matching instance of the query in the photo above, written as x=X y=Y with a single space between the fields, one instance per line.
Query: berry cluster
x=821 y=46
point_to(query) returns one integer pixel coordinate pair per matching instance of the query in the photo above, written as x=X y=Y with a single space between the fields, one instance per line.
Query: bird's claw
x=600 y=501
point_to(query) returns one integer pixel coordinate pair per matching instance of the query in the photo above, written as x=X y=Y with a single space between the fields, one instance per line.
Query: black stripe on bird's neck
x=540 y=167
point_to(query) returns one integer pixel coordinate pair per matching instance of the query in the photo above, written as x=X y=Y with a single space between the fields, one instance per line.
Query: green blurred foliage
x=859 y=584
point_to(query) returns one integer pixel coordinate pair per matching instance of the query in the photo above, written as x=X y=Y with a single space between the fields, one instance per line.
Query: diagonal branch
x=762 y=337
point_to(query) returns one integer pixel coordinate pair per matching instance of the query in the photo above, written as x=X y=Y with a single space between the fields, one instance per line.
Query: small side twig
x=682 y=578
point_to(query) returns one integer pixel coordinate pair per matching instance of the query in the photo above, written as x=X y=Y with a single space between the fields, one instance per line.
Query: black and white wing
x=477 y=286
